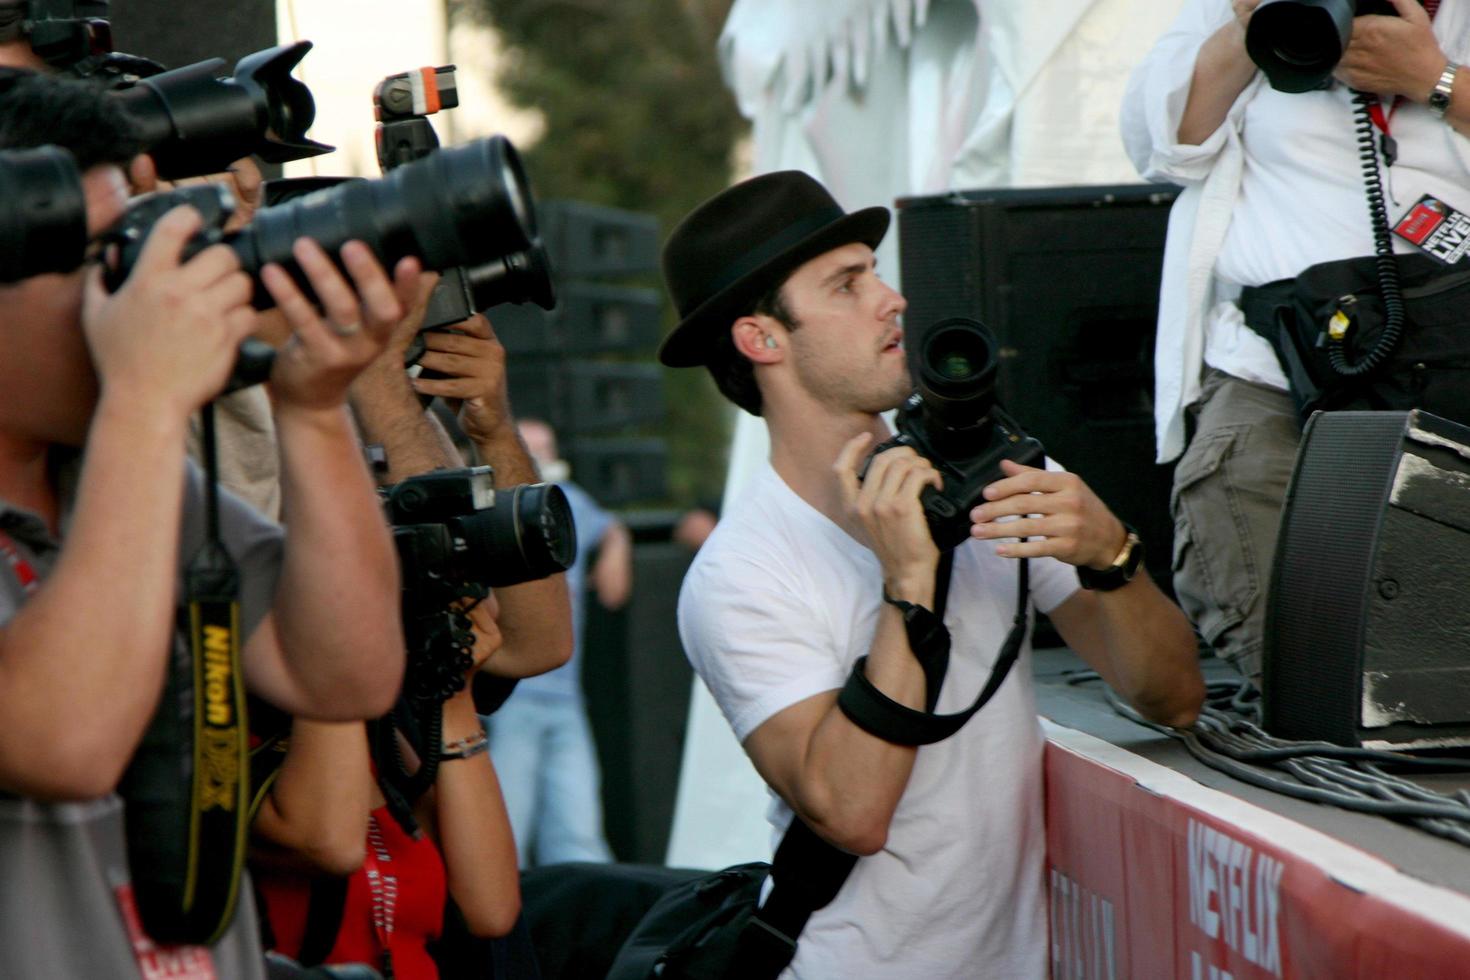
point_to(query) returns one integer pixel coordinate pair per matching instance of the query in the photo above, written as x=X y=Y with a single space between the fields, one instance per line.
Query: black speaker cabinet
x=1368 y=622
x=1067 y=279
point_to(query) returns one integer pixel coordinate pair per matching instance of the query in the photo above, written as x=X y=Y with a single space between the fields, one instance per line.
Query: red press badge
x=162 y=962
x=1437 y=228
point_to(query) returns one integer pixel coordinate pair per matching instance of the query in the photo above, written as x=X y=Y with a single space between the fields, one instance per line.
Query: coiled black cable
x=1389 y=286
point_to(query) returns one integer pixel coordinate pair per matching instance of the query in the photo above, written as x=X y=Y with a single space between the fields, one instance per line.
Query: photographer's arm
x=1221 y=72
x=467 y=812
x=81 y=663
x=389 y=413
x=535 y=617
x=335 y=647
x=315 y=816
x=1138 y=640
x=845 y=783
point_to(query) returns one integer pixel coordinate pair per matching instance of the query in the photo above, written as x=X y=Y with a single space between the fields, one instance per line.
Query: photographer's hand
x=1059 y=513
x=317 y=364
x=474 y=362
x=885 y=509
x=169 y=335
x=1393 y=55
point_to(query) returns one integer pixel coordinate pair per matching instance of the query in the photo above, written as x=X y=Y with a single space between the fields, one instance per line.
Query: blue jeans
x=547 y=764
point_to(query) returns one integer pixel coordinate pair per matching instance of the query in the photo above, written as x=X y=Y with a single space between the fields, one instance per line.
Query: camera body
x=454 y=526
x=43 y=213
x=65 y=32
x=1298 y=43
x=953 y=421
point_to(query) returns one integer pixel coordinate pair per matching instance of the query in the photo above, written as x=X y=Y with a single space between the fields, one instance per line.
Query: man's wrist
x=913 y=585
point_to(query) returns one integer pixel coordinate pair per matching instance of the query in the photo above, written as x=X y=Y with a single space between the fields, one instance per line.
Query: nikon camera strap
x=186 y=837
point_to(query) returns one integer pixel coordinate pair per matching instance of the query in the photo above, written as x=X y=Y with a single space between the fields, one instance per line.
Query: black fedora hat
x=744 y=241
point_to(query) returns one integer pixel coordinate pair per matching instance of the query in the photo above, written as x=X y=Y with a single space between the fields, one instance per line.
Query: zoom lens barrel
x=956 y=372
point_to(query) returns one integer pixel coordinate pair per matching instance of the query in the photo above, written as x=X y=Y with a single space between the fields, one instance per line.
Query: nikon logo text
x=218 y=709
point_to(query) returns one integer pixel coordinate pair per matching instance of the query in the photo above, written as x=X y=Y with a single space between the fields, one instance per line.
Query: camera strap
x=879 y=715
x=186 y=839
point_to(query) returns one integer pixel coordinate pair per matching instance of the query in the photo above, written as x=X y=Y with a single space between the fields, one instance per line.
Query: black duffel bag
x=1428 y=367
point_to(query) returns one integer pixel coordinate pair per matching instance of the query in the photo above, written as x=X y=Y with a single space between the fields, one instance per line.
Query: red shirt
x=410 y=897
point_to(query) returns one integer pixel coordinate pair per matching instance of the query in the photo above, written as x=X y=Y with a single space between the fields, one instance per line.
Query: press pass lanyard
x=1383 y=120
x=384 y=890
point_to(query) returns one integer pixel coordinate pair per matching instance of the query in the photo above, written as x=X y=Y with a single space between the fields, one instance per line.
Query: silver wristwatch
x=1439 y=99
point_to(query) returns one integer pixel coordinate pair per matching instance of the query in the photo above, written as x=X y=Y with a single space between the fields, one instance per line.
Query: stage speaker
x=1067 y=279
x=637 y=683
x=1368 y=622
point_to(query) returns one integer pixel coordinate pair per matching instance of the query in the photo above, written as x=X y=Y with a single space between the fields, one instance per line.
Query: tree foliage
x=637 y=117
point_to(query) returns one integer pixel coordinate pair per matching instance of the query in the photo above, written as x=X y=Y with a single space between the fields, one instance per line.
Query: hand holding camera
x=328 y=349
x=172 y=331
x=1393 y=55
x=472 y=362
x=885 y=505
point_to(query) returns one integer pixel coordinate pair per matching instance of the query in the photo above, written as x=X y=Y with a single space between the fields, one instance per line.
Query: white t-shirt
x=778 y=605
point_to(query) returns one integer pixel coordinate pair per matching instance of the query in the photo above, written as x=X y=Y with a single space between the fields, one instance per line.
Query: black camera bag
x=1429 y=368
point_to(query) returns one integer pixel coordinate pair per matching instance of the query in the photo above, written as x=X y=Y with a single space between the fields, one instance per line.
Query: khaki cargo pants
x=1229 y=486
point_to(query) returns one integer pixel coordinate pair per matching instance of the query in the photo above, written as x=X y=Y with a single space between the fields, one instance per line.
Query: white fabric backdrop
x=880 y=99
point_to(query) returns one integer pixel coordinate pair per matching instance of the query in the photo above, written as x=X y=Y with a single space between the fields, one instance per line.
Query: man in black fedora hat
x=812 y=568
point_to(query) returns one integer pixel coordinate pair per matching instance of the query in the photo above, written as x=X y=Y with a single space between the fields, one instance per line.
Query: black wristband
x=928 y=636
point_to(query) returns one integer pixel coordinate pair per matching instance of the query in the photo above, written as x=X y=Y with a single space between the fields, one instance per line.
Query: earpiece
x=771 y=343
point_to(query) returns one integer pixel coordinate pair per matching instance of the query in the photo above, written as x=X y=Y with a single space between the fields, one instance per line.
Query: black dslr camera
x=952 y=420
x=1298 y=43
x=43 y=213
x=454 y=525
x=464 y=205
x=457 y=537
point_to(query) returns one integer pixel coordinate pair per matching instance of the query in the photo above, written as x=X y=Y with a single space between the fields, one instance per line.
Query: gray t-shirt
x=65 y=892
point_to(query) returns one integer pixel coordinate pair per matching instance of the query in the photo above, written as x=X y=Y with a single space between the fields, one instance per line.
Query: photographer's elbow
x=495 y=922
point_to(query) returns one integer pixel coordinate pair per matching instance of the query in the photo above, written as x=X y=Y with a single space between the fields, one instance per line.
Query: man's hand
x=171 y=332
x=1393 y=55
x=474 y=362
x=317 y=364
x=1062 y=515
x=244 y=179
x=886 y=507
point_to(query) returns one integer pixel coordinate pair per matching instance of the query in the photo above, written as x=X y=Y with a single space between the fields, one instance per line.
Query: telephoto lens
x=465 y=205
x=43 y=213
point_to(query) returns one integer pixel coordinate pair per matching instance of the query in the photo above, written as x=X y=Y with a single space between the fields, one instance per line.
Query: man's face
x=847 y=348
x=46 y=372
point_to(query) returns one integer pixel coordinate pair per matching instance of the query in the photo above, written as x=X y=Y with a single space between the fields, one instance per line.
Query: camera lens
x=43 y=213
x=528 y=535
x=1297 y=43
x=957 y=372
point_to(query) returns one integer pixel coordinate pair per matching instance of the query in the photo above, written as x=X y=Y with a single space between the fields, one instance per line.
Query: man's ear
x=759 y=338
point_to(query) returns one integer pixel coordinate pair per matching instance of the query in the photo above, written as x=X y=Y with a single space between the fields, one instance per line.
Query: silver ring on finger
x=345 y=329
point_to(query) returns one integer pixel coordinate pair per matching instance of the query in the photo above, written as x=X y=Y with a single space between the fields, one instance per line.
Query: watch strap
x=1440 y=97
x=1121 y=571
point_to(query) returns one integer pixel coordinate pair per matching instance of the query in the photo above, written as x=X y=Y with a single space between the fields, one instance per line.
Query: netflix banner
x=1154 y=876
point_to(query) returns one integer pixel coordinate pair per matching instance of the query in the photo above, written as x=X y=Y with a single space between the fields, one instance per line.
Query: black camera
x=402 y=104
x=1298 y=43
x=953 y=421
x=453 y=526
x=466 y=205
x=43 y=213
x=61 y=32
x=193 y=122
